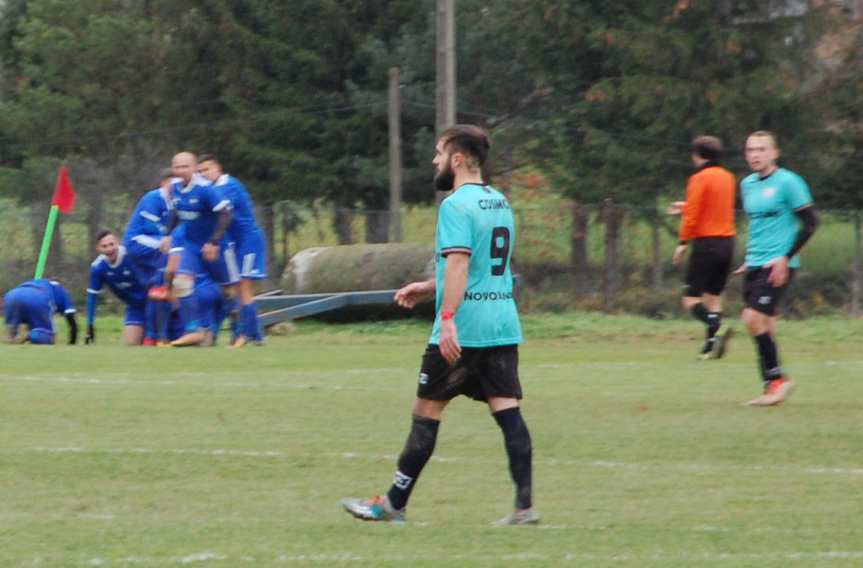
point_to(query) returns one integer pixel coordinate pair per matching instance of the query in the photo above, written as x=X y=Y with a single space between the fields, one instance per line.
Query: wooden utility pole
x=445 y=111
x=395 y=130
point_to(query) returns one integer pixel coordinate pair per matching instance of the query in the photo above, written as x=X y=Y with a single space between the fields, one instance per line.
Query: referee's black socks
x=713 y=320
x=417 y=451
x=520 y=451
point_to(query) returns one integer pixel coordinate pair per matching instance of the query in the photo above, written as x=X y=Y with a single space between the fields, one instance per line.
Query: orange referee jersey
x=709 y=209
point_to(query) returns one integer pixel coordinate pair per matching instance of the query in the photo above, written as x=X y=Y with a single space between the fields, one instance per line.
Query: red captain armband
x=447 y=315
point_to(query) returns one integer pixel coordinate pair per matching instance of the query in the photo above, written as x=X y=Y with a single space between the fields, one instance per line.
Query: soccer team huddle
x=186 y=262
x=186 y=236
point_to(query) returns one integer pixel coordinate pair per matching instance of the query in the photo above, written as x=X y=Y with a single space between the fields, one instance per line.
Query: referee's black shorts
x=480 y=373
x=709 y=266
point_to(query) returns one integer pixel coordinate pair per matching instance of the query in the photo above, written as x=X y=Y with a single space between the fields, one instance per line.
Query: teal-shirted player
x=473 y=348
x=781 y=220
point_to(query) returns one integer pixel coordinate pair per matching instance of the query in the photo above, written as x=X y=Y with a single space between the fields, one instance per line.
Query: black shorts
x=480 y=373
x=758 y=294
x=709 y=266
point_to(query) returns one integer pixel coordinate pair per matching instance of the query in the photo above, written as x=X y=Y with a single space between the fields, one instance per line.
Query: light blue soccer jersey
x=477 y=219
x=770 y=204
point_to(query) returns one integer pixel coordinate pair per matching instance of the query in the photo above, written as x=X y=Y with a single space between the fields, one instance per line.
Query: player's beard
x=445 y=179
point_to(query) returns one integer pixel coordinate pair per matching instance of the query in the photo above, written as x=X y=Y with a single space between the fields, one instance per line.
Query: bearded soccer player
x=708 y=223
x=473 y=348
x=29 y=312
x=248 y=241
x=781 y=220
x=115 y=267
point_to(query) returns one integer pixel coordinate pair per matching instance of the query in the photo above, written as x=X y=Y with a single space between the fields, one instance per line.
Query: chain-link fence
x=609 y=256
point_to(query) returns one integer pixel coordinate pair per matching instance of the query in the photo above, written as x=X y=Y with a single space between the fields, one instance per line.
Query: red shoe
x=158 y=293
x=777 y=391
x=149 y=342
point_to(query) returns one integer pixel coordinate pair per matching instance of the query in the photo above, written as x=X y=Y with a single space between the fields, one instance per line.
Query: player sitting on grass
x=29 y=312
x=115 y=268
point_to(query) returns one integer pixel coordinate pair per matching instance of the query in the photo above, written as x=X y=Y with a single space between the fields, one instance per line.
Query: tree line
x=600 y=98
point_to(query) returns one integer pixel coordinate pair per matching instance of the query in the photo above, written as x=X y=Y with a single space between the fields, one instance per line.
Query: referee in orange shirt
x=708 y=223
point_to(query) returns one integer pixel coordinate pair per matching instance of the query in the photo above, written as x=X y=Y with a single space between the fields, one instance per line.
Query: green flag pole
x=46 y=242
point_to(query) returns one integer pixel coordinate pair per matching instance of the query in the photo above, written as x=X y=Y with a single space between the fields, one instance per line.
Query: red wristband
x=447 y=315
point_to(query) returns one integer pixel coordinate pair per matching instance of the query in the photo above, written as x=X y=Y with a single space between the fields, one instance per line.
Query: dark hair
x=468 y=139
x=104 y=233
x=707 y=147
x=207 y=158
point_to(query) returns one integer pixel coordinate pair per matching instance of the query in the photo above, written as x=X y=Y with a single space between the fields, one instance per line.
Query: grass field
x=113 y=456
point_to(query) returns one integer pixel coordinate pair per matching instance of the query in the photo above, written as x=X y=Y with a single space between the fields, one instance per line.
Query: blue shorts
x=28 y=306
x=252 y=256
x=223 y=270
x=135 y=315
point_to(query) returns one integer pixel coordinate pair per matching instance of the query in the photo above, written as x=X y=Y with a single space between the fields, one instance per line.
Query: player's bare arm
x=211 y=248
x=455 y=283
x=410 y=295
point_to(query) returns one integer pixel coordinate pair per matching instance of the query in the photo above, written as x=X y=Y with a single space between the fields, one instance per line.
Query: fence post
x=578 y=243
x=611 y=216
x=857 y=277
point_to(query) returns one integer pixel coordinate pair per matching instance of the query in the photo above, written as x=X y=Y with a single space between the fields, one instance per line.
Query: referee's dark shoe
x=720 y=341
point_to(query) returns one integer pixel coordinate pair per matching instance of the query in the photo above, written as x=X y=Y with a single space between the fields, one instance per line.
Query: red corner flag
x=64 y=192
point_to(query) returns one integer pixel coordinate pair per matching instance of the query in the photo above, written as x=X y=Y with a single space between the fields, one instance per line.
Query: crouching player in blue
x=249 y=244
x=204 y=216
x=33 y=305
x=115 y=268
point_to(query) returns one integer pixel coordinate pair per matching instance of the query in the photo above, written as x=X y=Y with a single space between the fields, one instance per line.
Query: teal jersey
x=477 y=220
x=770 y=204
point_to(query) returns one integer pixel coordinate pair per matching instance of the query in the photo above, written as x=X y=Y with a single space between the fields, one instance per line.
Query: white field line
x=365 y=557
x=209 y=383
x=552 y=462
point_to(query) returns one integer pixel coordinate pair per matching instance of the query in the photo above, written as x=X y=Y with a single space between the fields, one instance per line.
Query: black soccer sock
x=700 y=313
x=520 y=452
x=769 y=357
x=417 y=451
x=714 y=322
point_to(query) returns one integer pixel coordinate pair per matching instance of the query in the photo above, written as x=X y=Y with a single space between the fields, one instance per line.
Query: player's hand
x=211 y=252
x=408 y=296
x=778 y=276
x=165 y=244
x=449 y=346
x=677 y=257
x=740 y=270
x=91 y=335
x=675 y=207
